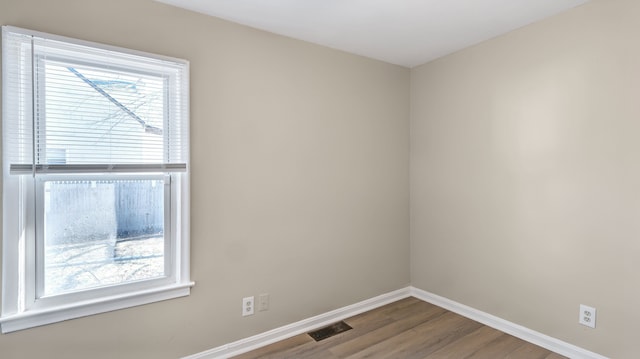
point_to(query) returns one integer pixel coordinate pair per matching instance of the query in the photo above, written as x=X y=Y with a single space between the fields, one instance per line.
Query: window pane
x=97 y=115
x=99 y=233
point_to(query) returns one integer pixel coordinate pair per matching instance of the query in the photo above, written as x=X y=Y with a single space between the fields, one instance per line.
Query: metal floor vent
x=331 y=330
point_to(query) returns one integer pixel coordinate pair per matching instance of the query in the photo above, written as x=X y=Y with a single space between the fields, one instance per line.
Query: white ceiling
x=402 y=32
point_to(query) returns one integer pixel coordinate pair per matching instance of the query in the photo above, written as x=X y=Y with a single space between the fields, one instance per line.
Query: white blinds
x=71 y=106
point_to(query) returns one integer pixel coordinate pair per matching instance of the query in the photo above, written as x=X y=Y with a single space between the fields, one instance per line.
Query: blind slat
x=27 y=169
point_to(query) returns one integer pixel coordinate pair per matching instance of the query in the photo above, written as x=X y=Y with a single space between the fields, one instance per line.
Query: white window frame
x=22 y=308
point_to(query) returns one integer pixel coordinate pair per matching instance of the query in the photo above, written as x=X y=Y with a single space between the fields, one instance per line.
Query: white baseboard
x=518 y=331
x=303 y=326
x=251 y=343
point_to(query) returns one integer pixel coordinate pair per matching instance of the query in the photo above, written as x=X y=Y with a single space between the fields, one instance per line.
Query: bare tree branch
x=147 y=128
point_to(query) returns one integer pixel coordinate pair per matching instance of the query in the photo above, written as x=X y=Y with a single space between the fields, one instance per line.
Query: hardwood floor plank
x=398 y=313
x=466 y=345
x=409 y=328
x=529 y=351
x=502 y=346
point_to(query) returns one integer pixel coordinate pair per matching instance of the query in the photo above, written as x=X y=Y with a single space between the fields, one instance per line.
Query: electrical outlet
x=587 y=316
x=247 y=306
x=263 y=302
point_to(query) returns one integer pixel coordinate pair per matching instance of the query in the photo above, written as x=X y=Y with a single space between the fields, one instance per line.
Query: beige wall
x=525 y=176
x=525 y=164
x=299 y=180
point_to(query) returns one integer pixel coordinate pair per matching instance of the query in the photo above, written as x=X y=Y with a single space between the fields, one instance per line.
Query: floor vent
x=326 y=332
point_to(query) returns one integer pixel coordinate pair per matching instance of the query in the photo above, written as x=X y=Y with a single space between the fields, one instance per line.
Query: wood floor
x=409 y=328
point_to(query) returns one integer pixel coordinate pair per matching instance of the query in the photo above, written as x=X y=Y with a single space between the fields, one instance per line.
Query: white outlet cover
x=587 y=316
x=247 y=306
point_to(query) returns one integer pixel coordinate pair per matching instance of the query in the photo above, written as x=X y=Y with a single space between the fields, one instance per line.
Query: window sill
x=34 y=318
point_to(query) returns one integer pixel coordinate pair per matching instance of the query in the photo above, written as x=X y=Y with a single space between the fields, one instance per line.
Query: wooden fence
x=81 y=211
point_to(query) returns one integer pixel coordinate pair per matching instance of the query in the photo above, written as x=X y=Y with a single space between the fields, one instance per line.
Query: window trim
x=34 y=318
x=18 y=240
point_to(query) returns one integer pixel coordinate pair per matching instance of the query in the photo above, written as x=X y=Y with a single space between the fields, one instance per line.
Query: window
x=95 y=178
